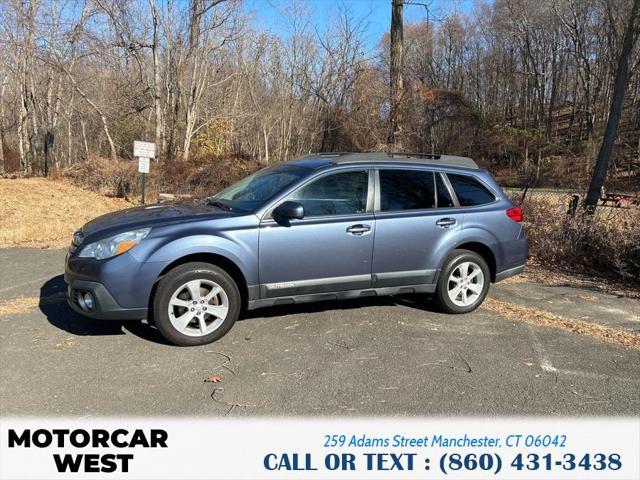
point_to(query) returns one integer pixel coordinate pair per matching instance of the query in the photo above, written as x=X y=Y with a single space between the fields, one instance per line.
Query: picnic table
x=618 y=199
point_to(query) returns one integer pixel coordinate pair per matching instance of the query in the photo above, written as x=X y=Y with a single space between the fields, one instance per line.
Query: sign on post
x=145 y=151
x=143 y=165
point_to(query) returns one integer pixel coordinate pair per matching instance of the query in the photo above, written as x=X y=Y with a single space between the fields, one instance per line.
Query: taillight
x=515 y=214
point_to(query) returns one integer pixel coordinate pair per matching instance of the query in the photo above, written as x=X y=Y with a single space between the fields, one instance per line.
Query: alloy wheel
x=198 y=307
x=465 y=284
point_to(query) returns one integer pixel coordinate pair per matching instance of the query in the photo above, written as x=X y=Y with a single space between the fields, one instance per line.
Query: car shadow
x=54 y=306
x=418 y=302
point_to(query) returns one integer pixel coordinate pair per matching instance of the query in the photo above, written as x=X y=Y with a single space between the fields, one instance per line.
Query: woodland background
x=523 y=86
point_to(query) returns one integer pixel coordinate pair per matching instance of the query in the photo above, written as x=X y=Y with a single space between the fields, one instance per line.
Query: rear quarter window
x=470 y=192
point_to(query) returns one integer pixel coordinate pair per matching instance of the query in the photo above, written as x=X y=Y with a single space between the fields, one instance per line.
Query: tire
x=470 y=290
x=195 y=304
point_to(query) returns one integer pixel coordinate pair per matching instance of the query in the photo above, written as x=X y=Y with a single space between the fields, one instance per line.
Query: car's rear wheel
x=463 y=283
x=195 y=304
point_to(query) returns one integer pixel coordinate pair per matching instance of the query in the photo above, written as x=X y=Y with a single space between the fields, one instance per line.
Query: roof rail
x=432 y=158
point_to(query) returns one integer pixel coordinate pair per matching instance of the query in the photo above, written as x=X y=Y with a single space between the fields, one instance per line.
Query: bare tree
x=204 y=21
x=3 y=86
x=157 y=79
x=395 y=69
x=523 y=85
x=631 y=33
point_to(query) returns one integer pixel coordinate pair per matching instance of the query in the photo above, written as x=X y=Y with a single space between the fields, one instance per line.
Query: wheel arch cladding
x=241 y=253
x=484 y=251
x=218 y=260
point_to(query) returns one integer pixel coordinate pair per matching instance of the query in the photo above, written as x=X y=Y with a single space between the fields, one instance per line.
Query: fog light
x=86 y=301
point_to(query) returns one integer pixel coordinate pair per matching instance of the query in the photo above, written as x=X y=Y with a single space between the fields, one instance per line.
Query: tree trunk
x=554 y=94
x=265 y=136
x=611 y=132
x=49 y=140
x=84 y=138
x=2 y=88
x=157 y=83
x=69 y=141
x=190 y=121
x=69 y=112
x=103 y=117
x=395 y=70
x=23 y=144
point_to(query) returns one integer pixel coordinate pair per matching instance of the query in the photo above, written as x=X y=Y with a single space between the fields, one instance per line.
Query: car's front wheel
x=463 y=283
x=195 y=304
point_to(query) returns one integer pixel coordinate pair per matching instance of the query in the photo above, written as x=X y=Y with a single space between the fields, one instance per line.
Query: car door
x=417 y=222
x=330 y=248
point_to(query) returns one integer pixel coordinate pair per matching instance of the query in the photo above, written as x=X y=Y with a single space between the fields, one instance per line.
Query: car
x=321 y=227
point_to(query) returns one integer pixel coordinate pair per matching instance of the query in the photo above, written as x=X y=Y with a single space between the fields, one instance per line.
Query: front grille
x=74 y=296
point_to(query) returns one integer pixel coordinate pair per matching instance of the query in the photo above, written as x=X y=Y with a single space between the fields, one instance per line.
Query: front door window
x=342 y=193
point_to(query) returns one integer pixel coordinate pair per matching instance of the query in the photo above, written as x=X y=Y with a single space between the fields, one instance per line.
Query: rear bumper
x=105 y=306
x=510 y=272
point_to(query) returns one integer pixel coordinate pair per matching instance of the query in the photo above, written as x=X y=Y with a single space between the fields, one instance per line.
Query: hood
x=153 y=215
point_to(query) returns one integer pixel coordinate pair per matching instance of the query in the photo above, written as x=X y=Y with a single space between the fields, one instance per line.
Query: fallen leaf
x=213 y=379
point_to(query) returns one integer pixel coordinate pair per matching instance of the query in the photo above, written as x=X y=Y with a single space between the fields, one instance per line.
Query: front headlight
x=115 y=245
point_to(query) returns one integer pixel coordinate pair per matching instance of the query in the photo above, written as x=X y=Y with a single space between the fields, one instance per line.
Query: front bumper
x=105 y=306
x=111 y=284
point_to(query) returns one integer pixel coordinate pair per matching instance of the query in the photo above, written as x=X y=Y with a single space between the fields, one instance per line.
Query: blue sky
x=271 y=15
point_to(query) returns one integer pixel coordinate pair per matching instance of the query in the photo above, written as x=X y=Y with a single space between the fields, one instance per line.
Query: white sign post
x=143 y=164
x=145 y=151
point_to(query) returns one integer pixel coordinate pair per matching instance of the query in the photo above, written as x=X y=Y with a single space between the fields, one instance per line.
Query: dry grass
x=20 y=305
x=535 y=272
x=607 y=244
x=198 y=177
x=557 y=277
x=37 y=212
x=534 y=316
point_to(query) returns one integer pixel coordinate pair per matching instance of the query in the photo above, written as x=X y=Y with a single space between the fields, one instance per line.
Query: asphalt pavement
x=377 y=356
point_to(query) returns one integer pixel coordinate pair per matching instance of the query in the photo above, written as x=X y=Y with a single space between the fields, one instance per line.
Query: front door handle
x=359 y=229
x=446 y=222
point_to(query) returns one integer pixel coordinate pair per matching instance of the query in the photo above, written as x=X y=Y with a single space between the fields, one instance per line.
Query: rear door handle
x=446 y=222
x=359 y=229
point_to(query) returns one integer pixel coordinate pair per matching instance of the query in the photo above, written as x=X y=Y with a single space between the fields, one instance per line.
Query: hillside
x=36 y=212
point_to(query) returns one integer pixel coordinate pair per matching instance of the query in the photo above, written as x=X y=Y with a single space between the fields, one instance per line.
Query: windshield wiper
x=217 y=203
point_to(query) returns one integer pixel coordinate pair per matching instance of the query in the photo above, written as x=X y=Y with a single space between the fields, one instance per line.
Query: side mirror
x=288 y=210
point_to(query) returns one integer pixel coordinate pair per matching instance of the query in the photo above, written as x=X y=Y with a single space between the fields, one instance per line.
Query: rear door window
x=470 y=192
x=444 y=197
x=406 y=190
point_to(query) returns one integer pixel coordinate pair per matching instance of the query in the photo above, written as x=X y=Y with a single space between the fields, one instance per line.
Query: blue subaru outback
x=325 y=226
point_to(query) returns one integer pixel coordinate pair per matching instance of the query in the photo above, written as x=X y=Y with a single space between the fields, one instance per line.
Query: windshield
x=255 y=190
